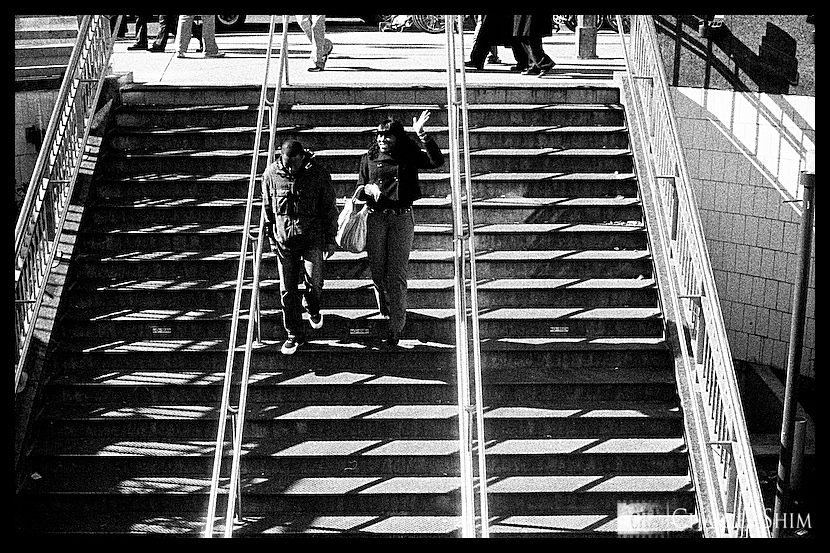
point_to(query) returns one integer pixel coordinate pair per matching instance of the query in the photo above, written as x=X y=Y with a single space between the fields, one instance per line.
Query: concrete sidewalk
x=360 y=58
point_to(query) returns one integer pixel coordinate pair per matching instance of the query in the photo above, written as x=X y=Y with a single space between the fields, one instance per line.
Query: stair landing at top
x=362 y=57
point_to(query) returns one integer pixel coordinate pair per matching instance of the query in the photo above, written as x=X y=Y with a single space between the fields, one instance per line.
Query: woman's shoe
x=534 y=70
x=518 y=67
x=472 y=65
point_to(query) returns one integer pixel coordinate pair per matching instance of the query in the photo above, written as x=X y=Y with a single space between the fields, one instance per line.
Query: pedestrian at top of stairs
x=207 y=36
x=301 y=223
x=314 y=27
x=388 y=172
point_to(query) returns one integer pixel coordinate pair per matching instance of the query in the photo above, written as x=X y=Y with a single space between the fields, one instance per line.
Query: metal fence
x=43 y=212
x=728 y=463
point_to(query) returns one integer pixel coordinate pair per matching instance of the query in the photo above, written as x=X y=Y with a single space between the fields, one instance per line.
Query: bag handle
x=357 y=192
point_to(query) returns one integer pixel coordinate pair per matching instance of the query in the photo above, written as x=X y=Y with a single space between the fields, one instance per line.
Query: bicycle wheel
x=612 y=22
x=429 y=23
x=568 y=21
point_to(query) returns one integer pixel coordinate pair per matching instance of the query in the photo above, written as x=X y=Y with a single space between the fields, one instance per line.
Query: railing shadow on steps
x=40 y=222
x=254 y=243
x=723 y=467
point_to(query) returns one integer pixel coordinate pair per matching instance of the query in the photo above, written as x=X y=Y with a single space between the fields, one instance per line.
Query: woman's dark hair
x=405 y=144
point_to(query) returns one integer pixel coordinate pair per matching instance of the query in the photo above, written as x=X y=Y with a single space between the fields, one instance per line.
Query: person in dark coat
x=301 y=223
x=496 y=30
x=529 y=31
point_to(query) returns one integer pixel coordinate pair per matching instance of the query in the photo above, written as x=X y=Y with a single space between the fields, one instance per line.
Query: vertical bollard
x=586 y=37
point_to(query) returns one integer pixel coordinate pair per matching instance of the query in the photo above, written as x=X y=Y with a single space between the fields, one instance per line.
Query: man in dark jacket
x=301 y=221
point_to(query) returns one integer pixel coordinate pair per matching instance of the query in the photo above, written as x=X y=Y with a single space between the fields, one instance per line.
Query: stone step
x=527 y=359
x=605 y=160
x=485 y=185
x=424 y=323
x=386 y=525
x=369 y=97
x=304 y=115
x=147 y=140
x=509 y=496
x=372 y=456
x=506 y=292
x=165 y=264
x=231 y=211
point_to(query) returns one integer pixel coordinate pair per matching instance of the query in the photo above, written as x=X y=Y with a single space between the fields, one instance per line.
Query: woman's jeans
x=388 y=243
x=290 y=263
x=185 y=32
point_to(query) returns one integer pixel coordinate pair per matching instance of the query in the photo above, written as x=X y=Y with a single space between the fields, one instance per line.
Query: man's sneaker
x=316 y=321
x=291 y=345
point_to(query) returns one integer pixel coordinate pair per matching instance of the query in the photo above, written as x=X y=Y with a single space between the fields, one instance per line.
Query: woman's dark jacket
x=300 y=210
x=397 y=173
x=533 y=26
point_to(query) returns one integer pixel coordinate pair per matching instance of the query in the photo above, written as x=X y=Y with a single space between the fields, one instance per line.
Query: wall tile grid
x=744 y=152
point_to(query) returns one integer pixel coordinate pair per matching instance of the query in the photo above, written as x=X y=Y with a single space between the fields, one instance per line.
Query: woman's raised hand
x=418 y=123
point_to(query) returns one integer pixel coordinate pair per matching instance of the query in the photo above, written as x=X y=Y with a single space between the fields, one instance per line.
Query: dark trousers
x=141 y=29
x=388 y=243
x=167 y=27
x=536 y=55
x=291 y=261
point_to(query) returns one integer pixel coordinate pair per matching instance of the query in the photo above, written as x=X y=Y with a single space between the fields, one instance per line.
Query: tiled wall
x=745 y=152
x=31 y=108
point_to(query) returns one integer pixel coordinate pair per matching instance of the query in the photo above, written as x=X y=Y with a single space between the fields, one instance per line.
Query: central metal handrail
x=237 y=414
x=469 y=407
x=734 y=504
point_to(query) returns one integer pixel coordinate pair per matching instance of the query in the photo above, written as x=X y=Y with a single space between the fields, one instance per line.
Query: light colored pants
x=185 y=33
x=389 y=240
x=314 y=27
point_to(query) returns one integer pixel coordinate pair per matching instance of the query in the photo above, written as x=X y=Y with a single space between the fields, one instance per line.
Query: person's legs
x=209 y=35
x=288 y=266
x=376 y=251
x=519 y=55
x=140 y=32
x=313 y=280
x=166 y=25
x=398 y=247
x=183 y=33
x=320 y=43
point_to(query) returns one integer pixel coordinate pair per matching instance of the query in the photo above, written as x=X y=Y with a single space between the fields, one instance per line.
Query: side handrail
x=470 y=408
x=39 y=225
x=729 y=466
x=237 y=414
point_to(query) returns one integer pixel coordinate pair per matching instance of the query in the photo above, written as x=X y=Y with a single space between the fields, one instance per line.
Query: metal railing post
x=807 y=180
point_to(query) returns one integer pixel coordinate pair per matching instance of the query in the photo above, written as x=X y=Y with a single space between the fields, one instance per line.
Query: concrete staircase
x=42 y=47
x=344 y=437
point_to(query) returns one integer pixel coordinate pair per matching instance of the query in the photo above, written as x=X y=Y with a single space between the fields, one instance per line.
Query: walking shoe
x=137 y=46
x=315 y=69
x=532 y=70
x=291 y=345
x=473 y=65
x=493 y=59
x=156 y=48
x=216 y=55
x=316 y=321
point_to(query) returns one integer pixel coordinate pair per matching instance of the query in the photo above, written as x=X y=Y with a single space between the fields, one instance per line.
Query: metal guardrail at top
x=728 y=466
x=37 y=232
x=254 y=242
x=470 y=393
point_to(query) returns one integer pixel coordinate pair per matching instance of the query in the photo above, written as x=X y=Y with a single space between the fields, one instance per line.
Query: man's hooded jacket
x=300 y=209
